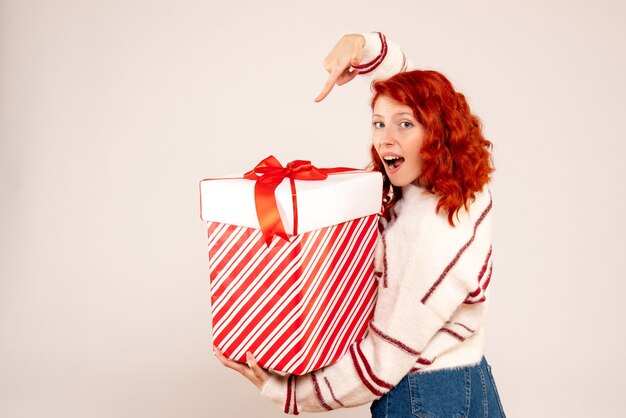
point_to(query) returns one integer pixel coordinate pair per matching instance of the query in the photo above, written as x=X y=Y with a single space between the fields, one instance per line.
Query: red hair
x=457 y=161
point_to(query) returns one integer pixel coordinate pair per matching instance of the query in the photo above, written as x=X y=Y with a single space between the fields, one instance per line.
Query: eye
x=406 y=124
x=378 y=125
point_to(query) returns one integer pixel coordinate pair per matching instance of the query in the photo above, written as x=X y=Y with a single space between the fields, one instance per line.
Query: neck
x=412 y=187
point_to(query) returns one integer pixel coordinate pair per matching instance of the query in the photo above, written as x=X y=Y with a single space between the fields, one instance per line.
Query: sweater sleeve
x=382 y=58
x=439 y=272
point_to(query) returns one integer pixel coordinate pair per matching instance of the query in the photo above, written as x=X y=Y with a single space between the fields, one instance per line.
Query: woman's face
x=397 y=137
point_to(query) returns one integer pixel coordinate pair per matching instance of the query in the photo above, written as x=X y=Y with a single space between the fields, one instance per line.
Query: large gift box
x=291 y=261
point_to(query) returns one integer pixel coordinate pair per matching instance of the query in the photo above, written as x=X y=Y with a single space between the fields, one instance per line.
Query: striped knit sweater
x=432 y=293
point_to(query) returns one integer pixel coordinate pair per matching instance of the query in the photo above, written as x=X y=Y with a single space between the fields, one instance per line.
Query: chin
x=398 y=183
x=402 y=182
x=405 y=176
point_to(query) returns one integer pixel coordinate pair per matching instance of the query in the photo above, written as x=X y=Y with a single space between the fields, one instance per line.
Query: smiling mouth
x=393 y=162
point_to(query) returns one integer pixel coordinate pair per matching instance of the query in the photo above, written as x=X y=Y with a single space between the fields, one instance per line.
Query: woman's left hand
x=251 y=370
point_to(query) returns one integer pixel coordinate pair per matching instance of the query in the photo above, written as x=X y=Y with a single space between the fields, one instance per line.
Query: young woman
x=423 y=352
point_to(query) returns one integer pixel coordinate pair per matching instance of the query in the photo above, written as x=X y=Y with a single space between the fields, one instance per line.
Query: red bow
x=268 y=174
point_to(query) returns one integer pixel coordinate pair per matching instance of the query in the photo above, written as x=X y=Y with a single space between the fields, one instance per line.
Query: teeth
x=392 y=161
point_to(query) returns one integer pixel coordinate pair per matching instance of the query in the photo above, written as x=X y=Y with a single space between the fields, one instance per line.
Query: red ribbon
x=268 y=174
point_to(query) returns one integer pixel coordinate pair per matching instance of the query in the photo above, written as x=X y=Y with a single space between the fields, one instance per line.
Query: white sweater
x=432 y=296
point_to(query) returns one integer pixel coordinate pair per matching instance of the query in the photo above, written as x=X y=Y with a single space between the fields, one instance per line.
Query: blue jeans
x=463 y=392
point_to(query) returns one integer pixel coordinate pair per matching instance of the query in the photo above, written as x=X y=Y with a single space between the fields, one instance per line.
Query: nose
x=385 y=137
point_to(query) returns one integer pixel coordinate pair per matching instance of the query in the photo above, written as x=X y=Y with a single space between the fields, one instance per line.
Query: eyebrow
x=395 y=114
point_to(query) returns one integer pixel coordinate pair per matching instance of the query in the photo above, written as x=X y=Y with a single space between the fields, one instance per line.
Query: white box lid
x=321 y=203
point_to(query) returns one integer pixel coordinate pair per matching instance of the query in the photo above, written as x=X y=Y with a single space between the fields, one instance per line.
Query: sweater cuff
x=381 y=58
x=374 y=52
x=275 y=389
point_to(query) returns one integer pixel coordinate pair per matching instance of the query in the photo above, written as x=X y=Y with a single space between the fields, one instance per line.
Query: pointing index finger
x=330 y=83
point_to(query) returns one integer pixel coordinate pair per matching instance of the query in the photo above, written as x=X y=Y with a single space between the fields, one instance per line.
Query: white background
x=112 y=111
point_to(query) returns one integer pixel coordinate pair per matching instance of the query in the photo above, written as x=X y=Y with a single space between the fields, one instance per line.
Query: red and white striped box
x=296 y=304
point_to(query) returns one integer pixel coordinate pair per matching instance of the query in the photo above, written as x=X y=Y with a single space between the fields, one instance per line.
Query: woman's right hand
x=344 y=55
